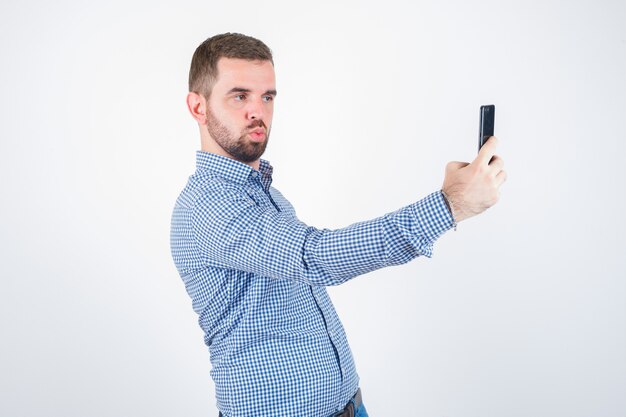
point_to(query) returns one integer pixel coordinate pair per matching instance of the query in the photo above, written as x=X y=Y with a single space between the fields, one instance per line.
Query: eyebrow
x=247 y=90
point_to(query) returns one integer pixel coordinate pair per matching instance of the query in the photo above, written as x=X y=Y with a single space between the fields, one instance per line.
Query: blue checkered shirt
x=256 y=276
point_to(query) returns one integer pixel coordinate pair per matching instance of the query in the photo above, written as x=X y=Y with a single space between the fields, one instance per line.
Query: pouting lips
x=257 y=134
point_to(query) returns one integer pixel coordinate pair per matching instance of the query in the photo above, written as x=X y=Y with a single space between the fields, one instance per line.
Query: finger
x=501 y=178
x=487 y=151
x=456 y=165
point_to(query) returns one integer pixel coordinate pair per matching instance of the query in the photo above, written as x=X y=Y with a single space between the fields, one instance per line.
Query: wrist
x=450 y=207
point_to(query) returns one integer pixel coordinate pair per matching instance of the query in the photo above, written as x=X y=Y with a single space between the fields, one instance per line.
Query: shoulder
x=214 y=198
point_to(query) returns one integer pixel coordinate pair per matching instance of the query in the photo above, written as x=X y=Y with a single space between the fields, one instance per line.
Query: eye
x=240 y=97
x=268 y=98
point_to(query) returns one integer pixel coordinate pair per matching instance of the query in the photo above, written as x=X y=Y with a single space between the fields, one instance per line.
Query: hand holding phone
x=487 y=122
x=471 y=188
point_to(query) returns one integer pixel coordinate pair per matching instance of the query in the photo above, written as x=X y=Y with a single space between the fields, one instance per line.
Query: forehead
x=241 y=73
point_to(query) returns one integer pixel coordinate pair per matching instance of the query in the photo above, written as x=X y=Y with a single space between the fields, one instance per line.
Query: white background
x=521 y=312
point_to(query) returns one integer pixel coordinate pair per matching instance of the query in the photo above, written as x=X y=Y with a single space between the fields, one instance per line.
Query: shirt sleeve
x=232 y=231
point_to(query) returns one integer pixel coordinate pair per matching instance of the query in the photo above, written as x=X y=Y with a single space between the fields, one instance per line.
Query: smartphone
x=487 y=122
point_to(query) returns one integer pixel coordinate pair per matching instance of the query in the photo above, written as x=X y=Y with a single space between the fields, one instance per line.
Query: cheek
x=234 y=105
x=226 y=115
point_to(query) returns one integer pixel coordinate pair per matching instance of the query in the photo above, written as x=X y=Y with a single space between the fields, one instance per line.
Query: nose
x=255 y=110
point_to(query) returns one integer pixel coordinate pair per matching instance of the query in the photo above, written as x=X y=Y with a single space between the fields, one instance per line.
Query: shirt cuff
x=433 y=219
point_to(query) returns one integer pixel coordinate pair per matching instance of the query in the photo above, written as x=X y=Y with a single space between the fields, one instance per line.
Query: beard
x=239 y=148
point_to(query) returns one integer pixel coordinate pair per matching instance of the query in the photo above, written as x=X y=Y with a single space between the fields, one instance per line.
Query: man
x=256 y=274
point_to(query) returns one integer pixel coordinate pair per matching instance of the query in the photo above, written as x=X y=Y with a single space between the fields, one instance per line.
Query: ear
x=197 y=105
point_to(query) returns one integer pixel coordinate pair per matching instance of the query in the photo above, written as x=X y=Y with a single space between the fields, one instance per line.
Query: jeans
x=361 y=411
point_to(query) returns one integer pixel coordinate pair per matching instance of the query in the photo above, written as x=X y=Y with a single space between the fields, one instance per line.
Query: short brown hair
x=203 y=71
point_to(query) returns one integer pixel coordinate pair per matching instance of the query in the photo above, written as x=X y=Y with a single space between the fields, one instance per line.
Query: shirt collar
x=233 y=170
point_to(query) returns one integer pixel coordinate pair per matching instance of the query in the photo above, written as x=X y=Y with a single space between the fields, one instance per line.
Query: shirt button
x=254 y=174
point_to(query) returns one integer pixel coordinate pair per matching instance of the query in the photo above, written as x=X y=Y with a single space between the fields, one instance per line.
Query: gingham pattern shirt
x=257 y=276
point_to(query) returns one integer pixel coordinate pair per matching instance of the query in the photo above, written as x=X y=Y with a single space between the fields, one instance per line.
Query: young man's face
x=241 y=106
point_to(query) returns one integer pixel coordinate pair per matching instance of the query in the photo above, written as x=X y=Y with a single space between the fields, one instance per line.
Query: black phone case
x=487 y=122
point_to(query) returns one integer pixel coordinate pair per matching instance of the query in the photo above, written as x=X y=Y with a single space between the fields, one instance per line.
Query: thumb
x=487 y=151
